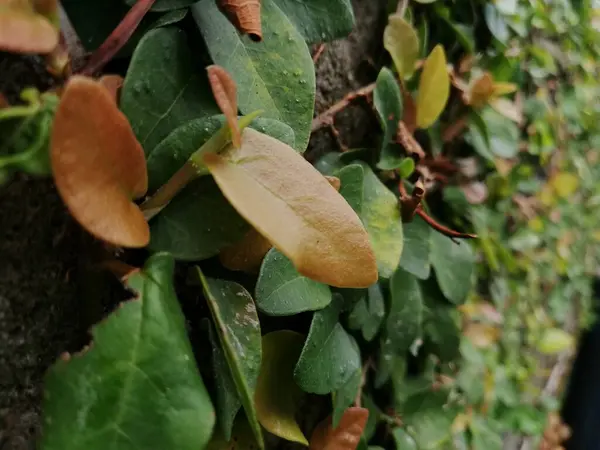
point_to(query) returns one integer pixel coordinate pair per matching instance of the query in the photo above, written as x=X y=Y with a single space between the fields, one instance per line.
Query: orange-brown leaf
x=113 y=84
x=225 y=93
x=346 y=436
x=244 y=15
x=98 y=164
x=482 y=90
x=247 y=254
x=23 y=31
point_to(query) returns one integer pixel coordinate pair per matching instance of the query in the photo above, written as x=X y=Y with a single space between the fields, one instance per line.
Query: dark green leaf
x=454 y=265
x=378 y=209
x=282 y=291
x=388 y=103
x=441 y=324
x=368 y=312
x=345 y=396
x=405 y=318
x=163 y=87
x=330 y=356
x=374 y=417
x=417 y=248
x=238 y=328
x=241 y=438
x=275 y=75
x=319 y=20
x=138 y=383
x=199 y=221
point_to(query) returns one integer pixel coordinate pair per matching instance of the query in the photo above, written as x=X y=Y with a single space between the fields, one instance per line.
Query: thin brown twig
x=442 y=228
x=318 y=53
x=118 y=38
x=326 y=117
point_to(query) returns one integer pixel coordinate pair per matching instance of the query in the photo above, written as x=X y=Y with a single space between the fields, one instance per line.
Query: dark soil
x=48 y=296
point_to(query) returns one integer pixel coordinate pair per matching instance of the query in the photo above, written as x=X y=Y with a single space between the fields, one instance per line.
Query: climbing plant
x=423 y=293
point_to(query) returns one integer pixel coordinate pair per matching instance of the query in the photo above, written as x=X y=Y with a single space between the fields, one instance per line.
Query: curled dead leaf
x=98 y=164
x=292 y=205
x=225 y=93
x=244 y=15
x=22 y=30
x=347 y=434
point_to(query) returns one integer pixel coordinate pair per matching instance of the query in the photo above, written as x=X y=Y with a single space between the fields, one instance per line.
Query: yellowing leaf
x=596 y=235
x=345 y=436
x=555 y=340
x=22 y=30
x=504 y=88
x=277 y=395
x=401 y=41
x=294 y=206
x=98 y=164
x=564 y=184
x=482 y=335
x=481 y=90
x=434 y=88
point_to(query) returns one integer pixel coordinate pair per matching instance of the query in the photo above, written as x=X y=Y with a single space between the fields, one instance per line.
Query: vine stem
x=326 y=117
x=118 y=38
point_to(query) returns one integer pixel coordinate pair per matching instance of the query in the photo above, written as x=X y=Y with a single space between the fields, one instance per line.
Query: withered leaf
x=22 y=30
x=294 y=206
x=225 y=93
x=347 y=434
x=113 y=84
x=98 y=164
x=244 y=15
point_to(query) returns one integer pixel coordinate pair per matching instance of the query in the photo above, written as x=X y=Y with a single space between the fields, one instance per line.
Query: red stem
x=118 y=38
x=443 y=229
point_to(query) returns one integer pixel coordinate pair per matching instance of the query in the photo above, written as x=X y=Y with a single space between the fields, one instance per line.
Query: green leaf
x=388 y=103
x=440 y=327
x=242 y=438
x=138 y=383
x=454 y=265
x=434 y=88
x=477 y=136
x=368 y=313
x=496 y=23
x=277 y=395
x=167 y=5
x=406 y=167
x=275 y=75
x=430 y=421
x=405 y=317
x=417 y=248
x=403 y=440
x=238 y=328
x=378 y=209
x=199 y=221
x=163 y=87
x=319 y=20
x=330 y=355
x=344 y=397
x=503 y=133
x=401 y=41
x=282 y=291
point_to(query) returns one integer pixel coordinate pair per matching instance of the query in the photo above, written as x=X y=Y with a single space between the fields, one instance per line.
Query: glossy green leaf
x=388 y=104
x=319 y=20
x=275 y=75
x=378 y=208
x=164 y=87
x=368 y=313
x=454 y=265
x=282 y=291
x=199 y=221
x=137 y=383
x=238 y=328
x=345 y=396
x=434 y=88
x=417 y=248
x=401 y=41
x=277 y=396
x=330 y=355
x=405 y=318
x=167 y=5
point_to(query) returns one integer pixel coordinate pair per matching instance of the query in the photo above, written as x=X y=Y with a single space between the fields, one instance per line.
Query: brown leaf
x=113 y=84
x=24 y=31
x=291 y=204
x=3 y=101
x=481 y=90
x=98 y=164
x=225 y=93
x=346 y=436
x=410 y=144
x=244 y=15
x=409 y=116
x=334 y=182
x=247 y=254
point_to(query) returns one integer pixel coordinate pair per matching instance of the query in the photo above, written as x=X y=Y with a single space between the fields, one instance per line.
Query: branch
x=326 y=117
x=442 y=228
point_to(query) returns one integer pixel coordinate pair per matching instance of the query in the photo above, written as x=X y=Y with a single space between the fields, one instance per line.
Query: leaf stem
x=118 y=38
x=325 y=118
